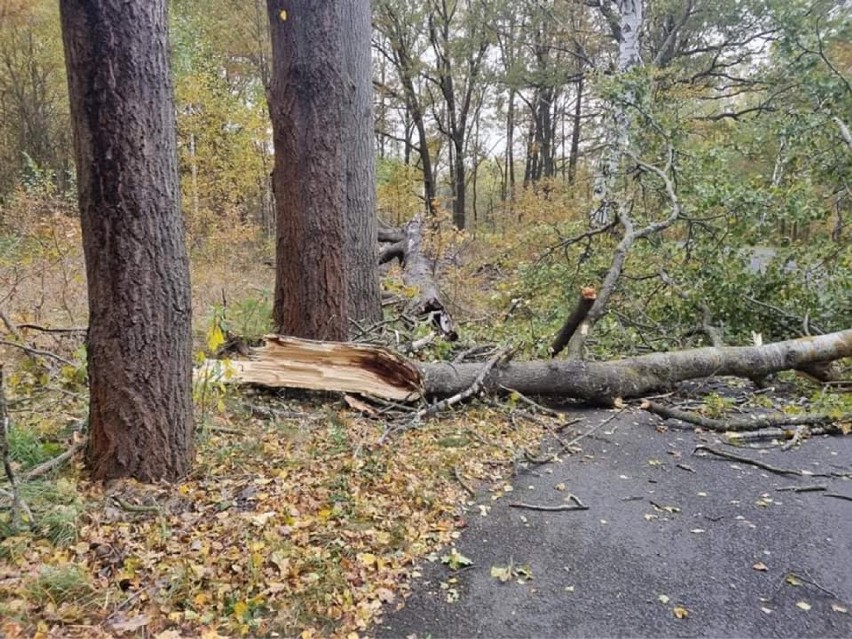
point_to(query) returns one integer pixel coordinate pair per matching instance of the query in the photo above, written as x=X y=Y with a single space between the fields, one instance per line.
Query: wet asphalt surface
x=656 y=541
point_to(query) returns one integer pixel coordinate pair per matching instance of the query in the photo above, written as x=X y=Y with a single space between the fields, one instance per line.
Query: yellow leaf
x=760 y=566
x=240 y=609
x=838 y=608
x=803 y=605
x=663 y=599
x=367 y=558
x=282 y=15
x=215 y=337
x=680 y=612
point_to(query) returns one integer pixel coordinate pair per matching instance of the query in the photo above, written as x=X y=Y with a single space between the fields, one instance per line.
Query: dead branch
x=749 y=423
x=38 y=352
x=577 y=505
x=802 y=489
x=80 y=330
x=470 y=491
x=746 y=460
x=56 y=462
x=470 y=391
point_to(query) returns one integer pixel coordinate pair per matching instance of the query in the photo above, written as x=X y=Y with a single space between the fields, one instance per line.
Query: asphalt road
x=716 y=546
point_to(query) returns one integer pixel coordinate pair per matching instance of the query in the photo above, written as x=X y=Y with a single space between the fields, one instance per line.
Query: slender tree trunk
x=575 y=133
x=139 y=341
x=459 y=203
x=618 y=128
x=365 y=303
x=307 y=105
x=509 y=180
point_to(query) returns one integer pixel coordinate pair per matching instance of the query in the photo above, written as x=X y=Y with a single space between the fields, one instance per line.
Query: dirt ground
x=672 y=544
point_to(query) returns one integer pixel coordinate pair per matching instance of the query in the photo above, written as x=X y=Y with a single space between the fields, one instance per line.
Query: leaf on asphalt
x=560 y=486
x=804 y=605
x=766 y=610
x=456 y=560
x=760 y=566
x=793 y=580
x=668 y=509
x=680 y=612
x=655 y=462
x=503 y=573
x=664 y=599
x=838 y=608
x=697 y=531
x=569 y=588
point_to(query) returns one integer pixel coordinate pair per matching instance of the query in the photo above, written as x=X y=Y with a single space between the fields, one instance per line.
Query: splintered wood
x=289 y=362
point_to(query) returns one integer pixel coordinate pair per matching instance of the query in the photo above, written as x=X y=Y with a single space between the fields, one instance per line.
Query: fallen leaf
x=680 y=612
x=793 y=580
x=838 y=608
x=129 y=624
x=664 y=599
x=456 y=560
x=760 y=566
x=804 y=605
x=503 y=573
x=697 y=531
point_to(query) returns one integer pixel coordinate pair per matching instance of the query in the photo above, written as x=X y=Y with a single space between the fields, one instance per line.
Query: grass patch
x=60 y=584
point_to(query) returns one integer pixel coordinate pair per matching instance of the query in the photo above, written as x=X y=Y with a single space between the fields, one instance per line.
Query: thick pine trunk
x=139 y=341
x=307 y=100
x=364 y=296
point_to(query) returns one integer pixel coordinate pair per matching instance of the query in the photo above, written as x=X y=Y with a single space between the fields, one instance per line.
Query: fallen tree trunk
x=417 y=273
x=638 y=376
x=288 y=362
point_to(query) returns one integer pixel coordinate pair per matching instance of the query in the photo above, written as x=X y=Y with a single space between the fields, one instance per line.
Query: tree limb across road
x=598 y=382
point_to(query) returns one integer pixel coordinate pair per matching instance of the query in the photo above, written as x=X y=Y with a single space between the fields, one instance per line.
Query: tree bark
x=365 y=302
x=139 y=340
x=638 y=376
x=307 y=105
x=575 y=132
x=626 y=28
x=598 y=382
x=417 y=272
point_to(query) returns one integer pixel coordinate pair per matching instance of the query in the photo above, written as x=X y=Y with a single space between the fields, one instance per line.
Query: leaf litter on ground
x=296 y=527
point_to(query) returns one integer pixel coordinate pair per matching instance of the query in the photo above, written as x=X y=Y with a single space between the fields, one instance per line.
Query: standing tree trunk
x=307 y=105
x=139 y=342
x=575 y=132
x=365 y=302
x=626 y=28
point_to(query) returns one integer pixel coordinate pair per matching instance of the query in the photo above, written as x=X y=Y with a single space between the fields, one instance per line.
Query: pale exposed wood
x=289 y=362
